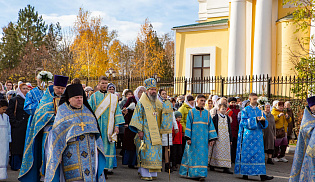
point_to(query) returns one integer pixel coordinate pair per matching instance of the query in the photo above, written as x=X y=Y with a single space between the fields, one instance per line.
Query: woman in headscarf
x=125 y=95
x=2 y=91
x=10 y=94
x=209 y=104
x=128 y=147
x=214 y=110
x=138 y=92
x=269 y=133
x=111 y=88
x=184 y=109
x=18 y=120
x=282 y=119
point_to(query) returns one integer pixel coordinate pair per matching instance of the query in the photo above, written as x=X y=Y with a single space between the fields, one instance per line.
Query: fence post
x=185 y=86
x=222 y=87
x=128 y=82
x=269 y=88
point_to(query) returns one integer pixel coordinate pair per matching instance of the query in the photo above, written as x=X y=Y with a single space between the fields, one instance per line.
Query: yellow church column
x=262 y=40
x=237 y=39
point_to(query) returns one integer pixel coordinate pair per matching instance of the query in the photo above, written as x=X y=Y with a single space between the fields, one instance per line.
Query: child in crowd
x=5 y=138
x=233 y=111
x=219 y=153
x=176 y=149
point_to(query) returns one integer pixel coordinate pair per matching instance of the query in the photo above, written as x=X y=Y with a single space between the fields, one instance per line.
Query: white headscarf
x=2 y=89
x=137 y=91
x=186 y=101
x=274 y=103
x=214 y=100
x=19 y=92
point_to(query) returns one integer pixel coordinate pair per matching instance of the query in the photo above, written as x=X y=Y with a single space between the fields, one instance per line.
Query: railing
x=280 y=88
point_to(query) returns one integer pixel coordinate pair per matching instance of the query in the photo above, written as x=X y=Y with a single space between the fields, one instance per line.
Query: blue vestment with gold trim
x=250 y=154
x=200 y=129
x=303 y=167
x=150 y=157
x=32 y=99
x=109 y=147
x=33 y=164
x=76 y=149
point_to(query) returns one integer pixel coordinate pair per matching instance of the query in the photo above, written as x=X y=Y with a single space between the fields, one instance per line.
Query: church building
x=238 y=38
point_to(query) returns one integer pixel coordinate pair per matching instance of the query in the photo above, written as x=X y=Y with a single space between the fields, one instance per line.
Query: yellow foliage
x=94 y=48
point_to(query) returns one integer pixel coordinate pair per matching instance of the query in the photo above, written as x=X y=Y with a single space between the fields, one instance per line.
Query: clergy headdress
x=311 y=101
x=60 y=80
x=150 y=83
x=76 y=90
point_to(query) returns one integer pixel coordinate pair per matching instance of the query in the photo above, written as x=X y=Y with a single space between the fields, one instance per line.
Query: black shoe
x=227 y=171
x=269 y=161
x=265 y=177
x=212 y=168
x=110 y=172
x=105 y=173
x=131 y=167
x=202 y=179
x=245 y=177
x=167 y=167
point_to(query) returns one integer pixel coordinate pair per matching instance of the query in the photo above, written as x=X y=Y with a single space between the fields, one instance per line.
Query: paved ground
x=280 y=171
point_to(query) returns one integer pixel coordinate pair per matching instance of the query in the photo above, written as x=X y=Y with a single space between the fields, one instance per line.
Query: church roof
x=285 y=18
x=209 y=23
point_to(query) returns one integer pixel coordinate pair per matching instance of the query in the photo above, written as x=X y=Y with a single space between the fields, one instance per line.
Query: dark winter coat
x=128 y=143
x=18 y=123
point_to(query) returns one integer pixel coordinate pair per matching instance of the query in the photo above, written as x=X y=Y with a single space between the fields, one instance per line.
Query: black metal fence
x=280 y=88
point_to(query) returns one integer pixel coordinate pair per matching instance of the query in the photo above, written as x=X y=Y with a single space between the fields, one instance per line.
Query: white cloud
x=64 y=20
x=127 y=30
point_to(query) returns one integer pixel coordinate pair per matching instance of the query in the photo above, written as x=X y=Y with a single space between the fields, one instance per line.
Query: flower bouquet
x=262 y=100
x=44 y=76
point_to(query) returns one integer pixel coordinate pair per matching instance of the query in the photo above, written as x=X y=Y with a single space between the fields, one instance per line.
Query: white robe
x=164 y=136
x=5 y=139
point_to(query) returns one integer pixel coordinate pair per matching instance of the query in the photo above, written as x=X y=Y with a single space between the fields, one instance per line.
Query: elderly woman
x=282 y=120
x=129 y=148
x=125 y=96
x=269 y=133
x=111 y=88
x=10 y=94
x=18 y=120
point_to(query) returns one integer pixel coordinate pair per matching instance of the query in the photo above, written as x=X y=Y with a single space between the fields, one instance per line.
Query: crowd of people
x=71 y=132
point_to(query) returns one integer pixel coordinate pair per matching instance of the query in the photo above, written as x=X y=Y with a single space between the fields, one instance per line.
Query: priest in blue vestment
x=303 y=167
x=75 y=147
x=200 y=133
x=34 y=163
x=250 y=156
x=32 y=99
x=107 y=111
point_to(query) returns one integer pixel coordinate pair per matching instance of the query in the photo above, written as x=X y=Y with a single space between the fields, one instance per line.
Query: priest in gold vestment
x=150 y=120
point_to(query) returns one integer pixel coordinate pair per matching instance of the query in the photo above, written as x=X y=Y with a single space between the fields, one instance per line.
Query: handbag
x=280 y=133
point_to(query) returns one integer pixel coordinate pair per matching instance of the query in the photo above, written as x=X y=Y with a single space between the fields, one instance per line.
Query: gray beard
x=152 y=98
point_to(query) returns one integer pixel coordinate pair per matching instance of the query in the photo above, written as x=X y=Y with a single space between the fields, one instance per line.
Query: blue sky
x=125 y=16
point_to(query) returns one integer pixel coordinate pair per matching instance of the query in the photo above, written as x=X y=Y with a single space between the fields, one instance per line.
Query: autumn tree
x=153 y=54
x=94 y=47
x=27 y=43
